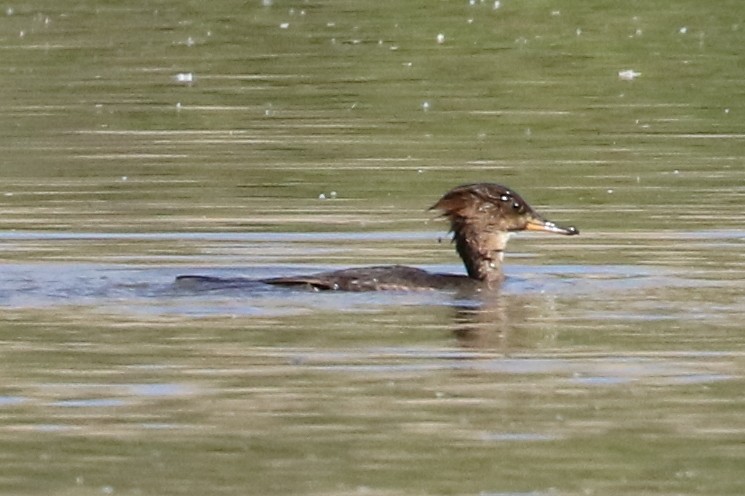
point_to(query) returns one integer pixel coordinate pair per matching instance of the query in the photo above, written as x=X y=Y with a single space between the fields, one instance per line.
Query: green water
x=142 y=140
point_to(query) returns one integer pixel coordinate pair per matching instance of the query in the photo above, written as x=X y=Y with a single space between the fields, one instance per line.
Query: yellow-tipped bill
x=538 y=224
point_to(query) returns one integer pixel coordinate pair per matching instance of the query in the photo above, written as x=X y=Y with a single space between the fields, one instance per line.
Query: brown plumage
x=481 y=216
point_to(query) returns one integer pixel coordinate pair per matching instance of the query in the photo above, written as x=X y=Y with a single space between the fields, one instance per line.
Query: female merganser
x=481 y=216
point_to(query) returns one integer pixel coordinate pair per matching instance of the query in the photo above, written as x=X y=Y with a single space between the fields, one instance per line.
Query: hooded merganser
x=481 y=216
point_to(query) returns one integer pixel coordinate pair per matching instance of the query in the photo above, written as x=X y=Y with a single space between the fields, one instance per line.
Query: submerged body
x=481 y=216
x=378 y=278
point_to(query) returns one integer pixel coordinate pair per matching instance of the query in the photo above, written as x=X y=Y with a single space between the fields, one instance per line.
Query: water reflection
x=487 y=325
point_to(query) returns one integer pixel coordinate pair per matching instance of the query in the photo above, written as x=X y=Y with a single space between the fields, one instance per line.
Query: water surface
x=270 y=138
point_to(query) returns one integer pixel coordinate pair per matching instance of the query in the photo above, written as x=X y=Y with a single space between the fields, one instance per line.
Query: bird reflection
x=497 y=321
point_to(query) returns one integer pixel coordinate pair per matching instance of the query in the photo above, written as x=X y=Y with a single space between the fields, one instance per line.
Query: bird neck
x=481 y=251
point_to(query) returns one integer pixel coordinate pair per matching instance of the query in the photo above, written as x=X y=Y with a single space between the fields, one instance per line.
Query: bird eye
x=516 y=206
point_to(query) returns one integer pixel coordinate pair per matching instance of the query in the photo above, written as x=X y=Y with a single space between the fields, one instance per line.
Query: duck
x=482 y=217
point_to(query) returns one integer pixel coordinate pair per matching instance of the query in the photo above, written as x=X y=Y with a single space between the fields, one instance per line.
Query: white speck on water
x=676 y=171
x=8 y=194
x=470 y=21
x=267 y=3
x=425 y=106
x=124 y=178
x=332 y=194
x=497 y=4
x=419 y=171
x=9 y=11
x=440 y=38
x=628 y=74
x=578 y=31
x=610 y=191
x=107 y=490
x=189 y=41
x=555 y=13
x=22 y=34
x=683 y=30
x=322 y=196
x=178 y=105
x=686 y=474
x=638 y=32
x=284 y=25
x=184 y=77
x=726 y=111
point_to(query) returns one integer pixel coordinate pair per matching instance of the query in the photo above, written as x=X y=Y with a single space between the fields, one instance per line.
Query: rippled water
x=265 y=138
